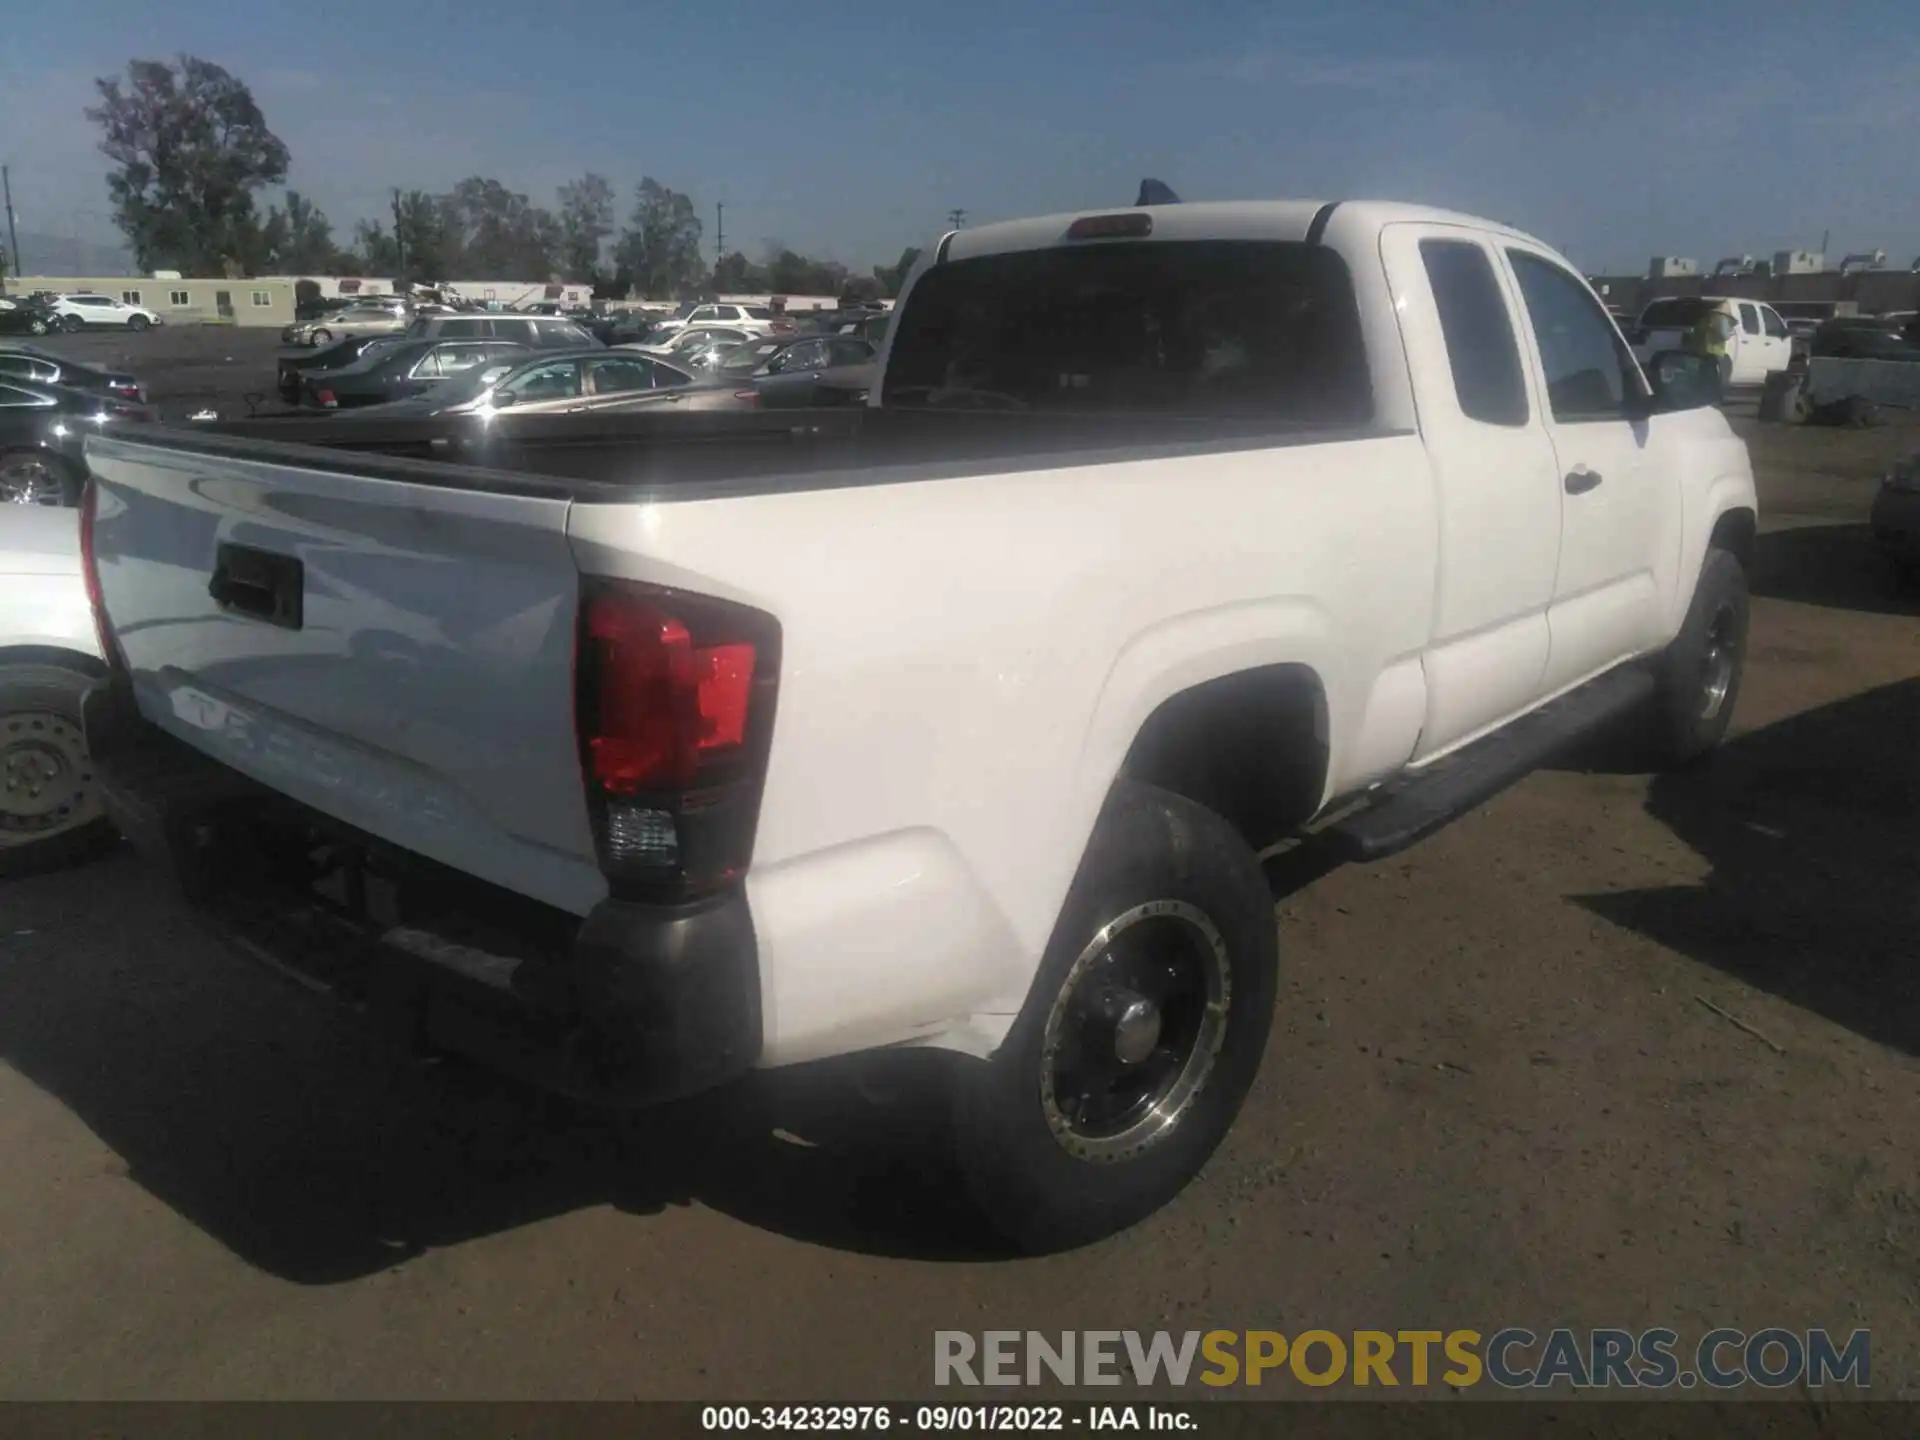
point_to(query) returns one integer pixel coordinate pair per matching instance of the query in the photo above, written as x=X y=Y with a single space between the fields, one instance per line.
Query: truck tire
x=1699 y=673
x=1141 y=1036
x=50 y=813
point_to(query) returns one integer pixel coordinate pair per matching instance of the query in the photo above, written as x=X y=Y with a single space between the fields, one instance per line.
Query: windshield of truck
x=1238 y=329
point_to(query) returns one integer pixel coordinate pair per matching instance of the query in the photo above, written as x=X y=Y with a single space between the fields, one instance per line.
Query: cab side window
x=1589 y=370
x=1749 y=319
x=1481 y=349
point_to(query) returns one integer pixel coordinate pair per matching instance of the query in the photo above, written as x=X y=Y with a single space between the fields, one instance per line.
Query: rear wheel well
x=1250 y=746
x=1734 y=533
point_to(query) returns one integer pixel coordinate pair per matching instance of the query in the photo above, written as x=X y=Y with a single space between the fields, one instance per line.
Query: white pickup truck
x=632 y=754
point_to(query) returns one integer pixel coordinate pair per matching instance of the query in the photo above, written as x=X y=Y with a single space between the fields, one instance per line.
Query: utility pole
x=399 y=240
x=956 y=218
x=13 y=240
x=719 y=232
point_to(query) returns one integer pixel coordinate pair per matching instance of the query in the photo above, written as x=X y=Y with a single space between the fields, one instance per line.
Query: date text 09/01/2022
x=920 y=1419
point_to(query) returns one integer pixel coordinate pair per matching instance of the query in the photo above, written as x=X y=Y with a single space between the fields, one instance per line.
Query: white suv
x=754 y=319
x=79 y=311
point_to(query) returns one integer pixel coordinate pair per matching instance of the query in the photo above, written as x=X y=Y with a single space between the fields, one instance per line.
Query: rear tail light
x=90 y=573
x=749 y=397
x=326 y=399
x=674 y=699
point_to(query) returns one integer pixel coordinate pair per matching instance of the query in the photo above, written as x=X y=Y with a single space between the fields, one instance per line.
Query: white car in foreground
x=76 y=312
x=49 y=807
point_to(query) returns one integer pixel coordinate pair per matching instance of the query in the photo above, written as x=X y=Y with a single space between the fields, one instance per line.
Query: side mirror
x=502 y=399
x=1683 y=381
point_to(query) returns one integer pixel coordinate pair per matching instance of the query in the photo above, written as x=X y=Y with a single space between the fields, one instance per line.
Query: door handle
x=1580 y=480
x=574 y=410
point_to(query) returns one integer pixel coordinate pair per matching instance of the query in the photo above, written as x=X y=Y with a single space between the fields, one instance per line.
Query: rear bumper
x=633 y=1005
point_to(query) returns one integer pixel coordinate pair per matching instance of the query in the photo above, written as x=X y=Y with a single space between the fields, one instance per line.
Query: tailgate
x=391 y=649
x=1654 y=342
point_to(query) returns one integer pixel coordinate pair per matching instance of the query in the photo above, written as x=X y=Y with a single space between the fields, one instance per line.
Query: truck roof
x=1215 y=220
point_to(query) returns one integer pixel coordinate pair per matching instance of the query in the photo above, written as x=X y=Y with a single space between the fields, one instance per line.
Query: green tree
x=892 y=277
x=426 y=237
x=375 y=251
x=585 y=221
x=502 y=235
x=189 y=147
x=734 y=274
x=660 y=248
x=297 y=238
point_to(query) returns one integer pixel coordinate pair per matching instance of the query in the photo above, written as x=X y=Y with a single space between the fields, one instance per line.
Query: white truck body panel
x=43 y=598
x=966 y=657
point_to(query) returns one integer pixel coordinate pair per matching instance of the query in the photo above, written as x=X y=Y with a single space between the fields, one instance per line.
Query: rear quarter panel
x=43 y=599
x=967 y=661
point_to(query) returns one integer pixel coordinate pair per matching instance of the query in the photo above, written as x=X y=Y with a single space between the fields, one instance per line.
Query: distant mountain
x=60 y=255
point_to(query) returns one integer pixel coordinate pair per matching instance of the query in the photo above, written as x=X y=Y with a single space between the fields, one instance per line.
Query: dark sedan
x=404 y=371
x=816 y=370
x=27 y=315
x=629 y=327
x=1861 y=337
x=43 y=432
x=24 y=362
x=336 y=356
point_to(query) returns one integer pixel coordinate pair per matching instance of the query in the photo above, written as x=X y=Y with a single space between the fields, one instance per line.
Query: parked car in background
x=536 y=332
x=359 y=320
x=863 y=323
x=813 y=371
x=597 y=381
x=334 y=357
x=1861 y=337
x=626 y=327
x=754 y=319
x=678 y=342
x=1758 y=344
x=401 y=371
x=25 y=362
x=50 y=811
x=702 y=359
x=43 y=432
x=78 y=311
x=27 y=315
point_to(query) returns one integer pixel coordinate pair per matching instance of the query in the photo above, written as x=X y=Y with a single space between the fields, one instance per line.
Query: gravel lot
x=1495 y=1096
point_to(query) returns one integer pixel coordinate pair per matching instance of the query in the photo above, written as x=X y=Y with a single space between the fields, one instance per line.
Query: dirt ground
x=1495 y=1097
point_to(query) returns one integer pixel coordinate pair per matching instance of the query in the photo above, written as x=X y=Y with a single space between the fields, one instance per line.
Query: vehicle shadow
x=1812 y=827
x=319 y=1154
x=1831 y=565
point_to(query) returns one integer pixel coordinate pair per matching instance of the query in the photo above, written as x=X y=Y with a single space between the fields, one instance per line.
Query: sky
x=848 y=130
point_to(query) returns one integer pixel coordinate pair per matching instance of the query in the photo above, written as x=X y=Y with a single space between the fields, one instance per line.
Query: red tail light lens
x=326 y=398
x=1110 y=227
x=90 y=573
x=674 y=702
x=750 y=397
x=664 y=702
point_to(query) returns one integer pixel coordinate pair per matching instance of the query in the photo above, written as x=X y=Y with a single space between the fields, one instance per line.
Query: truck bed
x=639 y=458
